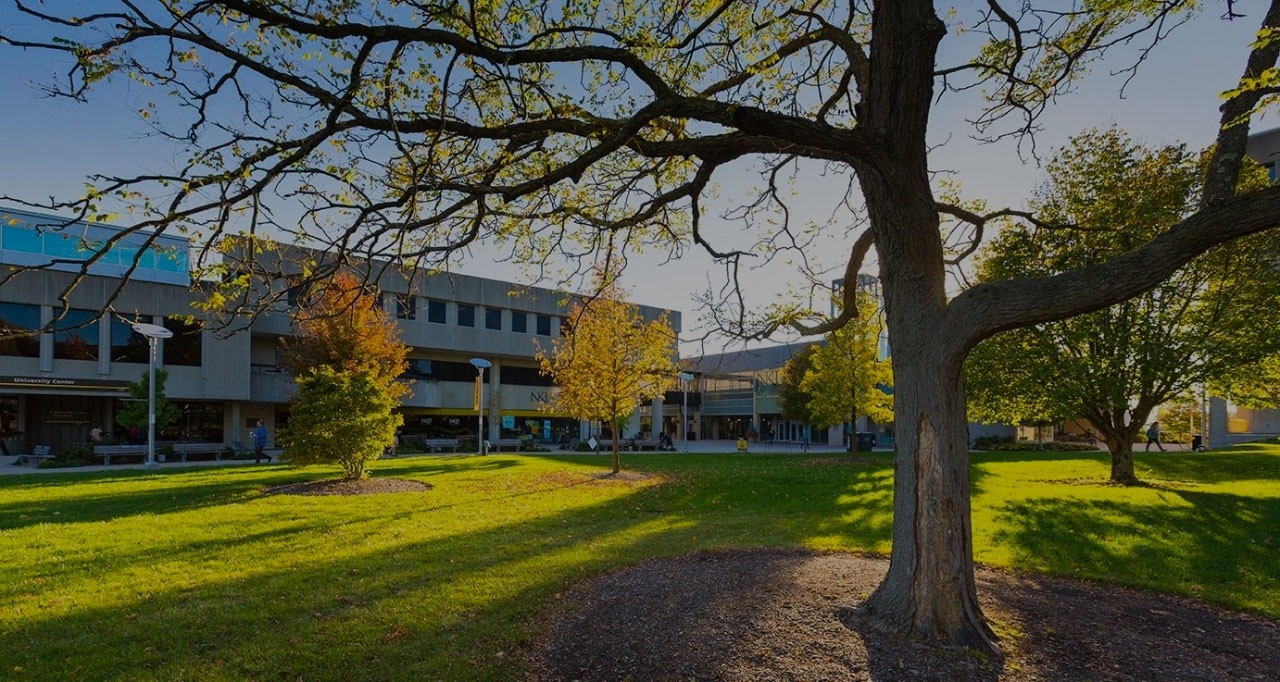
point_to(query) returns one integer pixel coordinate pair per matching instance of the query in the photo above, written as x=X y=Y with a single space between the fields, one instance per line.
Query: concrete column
x=633 y=425
x=1217 y=435
x=46 y=340
x=233 y=433
x=494 y=427
x=104 y=345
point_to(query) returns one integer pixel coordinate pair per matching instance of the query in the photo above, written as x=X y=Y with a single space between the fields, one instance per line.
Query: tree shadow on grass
x=433 y=609
x=369 y=594
x=104 y=496
x=1215 y=546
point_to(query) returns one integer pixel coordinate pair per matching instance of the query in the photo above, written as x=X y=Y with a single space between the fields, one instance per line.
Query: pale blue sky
x=49 y=146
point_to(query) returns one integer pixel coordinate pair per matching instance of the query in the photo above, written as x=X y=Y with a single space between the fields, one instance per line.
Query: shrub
x=989 y=442
x=1032 y=446
x=80 y=456
x=62 y=463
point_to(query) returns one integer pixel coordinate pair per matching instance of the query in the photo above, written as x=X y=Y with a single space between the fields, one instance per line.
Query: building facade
x=58 y=385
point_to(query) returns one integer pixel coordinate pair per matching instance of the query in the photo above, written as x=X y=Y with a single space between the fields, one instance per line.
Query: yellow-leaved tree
x=609 y=360
x=846 y=376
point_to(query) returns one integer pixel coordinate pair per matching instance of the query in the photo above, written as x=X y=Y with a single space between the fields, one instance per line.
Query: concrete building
x=56 y=386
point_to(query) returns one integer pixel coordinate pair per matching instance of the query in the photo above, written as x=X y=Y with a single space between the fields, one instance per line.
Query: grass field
x=196 y=575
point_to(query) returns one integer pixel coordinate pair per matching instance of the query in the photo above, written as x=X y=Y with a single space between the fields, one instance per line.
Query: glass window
x=75 y=336
x=493 y=318
x=183 y=348
x=466 y=315
x=128 y=345
x=435 y=311
x=16 y=318
x=519 y=322
x=418 y=368
x=406 y=307
x=524 y=376
x=443 y=370
x=544 y=325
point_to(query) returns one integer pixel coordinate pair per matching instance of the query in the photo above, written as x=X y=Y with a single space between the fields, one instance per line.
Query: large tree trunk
x=1120 y=436
x=929 y=590
x=1122 y=461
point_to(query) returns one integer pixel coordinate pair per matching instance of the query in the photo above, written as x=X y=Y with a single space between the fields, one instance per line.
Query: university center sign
x=61 y=382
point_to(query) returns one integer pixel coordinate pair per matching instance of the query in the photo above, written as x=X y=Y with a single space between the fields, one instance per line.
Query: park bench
x=512 y=443
x=183 y=450
x=106 y=452
x=439 y=444
x=38 y=454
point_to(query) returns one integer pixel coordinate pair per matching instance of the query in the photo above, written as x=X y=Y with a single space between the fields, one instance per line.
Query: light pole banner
x=475 y=397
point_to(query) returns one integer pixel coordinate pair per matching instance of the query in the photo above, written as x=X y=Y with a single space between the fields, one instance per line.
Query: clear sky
x=49 y=146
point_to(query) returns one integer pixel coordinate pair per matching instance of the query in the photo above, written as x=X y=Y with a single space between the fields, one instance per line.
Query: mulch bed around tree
x=784 y=615
x=364 y=486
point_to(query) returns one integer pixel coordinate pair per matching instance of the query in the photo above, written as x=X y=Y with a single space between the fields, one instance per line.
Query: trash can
x=1197 y=442
x=865 y=441
x=742 y=445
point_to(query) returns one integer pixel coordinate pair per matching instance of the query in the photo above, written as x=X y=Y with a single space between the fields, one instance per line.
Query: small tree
x=609 y=361
x=137 y=410
x=341 y=417
x=347 y=360
x=793 y=399
x=848 y=377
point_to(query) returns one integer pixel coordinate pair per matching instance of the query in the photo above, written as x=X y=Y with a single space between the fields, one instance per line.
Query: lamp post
x=481 y=365
x=685 y=378
x=152 y=332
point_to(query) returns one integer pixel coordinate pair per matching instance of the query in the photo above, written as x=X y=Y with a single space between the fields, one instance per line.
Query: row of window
x=443 y=370
x=407 y=309
x=75 y=336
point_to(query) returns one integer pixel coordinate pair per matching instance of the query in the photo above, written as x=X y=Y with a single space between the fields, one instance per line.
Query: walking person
x=260 y=443
x=1153 y=436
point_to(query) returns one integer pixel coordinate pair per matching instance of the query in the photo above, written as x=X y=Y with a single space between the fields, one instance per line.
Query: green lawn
x=196 y=575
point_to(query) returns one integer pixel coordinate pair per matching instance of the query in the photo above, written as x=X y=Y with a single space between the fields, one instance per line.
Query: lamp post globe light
x=685 y=378
x=153 y=332
x=481 y=365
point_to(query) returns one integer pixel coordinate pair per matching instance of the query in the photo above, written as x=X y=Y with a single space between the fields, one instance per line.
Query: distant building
x=56 y=387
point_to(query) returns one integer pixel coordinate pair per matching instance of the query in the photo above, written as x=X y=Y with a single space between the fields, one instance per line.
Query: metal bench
x=38 y=454
x=513 y=443
x=106 y=452
x=438 y=444
x=185 y=449
x=645 y=444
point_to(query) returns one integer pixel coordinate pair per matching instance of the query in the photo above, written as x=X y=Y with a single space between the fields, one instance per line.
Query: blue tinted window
x=75 y=336
x=435 y=311
x=493 y=318
x=519 y=322
x=14 y=319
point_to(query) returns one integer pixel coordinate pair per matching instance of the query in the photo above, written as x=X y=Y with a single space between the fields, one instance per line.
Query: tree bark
x=1122 y=461
x=1120 y=437
x=930 y=589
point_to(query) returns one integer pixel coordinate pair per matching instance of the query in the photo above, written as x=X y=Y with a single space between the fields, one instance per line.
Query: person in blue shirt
x=1153 y=436
x=260 y=443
